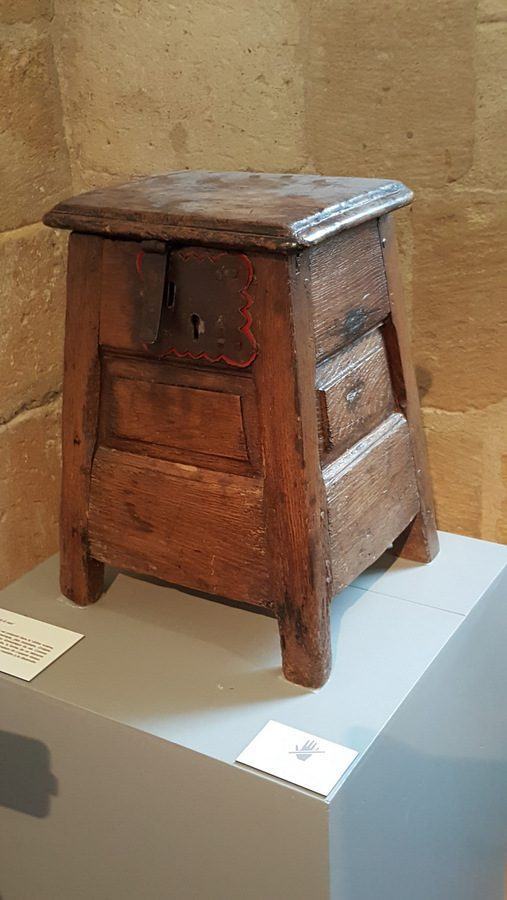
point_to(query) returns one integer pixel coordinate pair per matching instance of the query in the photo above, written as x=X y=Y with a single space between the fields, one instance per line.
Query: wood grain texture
x=121 y=316
x=348 y=288
x=201 y=529
x=174 y=416
x=247 y=208
x=354 y=394
x=295 y=505
x=184 y=413
x=420 y=540
x=81 y=575
x=372 y=496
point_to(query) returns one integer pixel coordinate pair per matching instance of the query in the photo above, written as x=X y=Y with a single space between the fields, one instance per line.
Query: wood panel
x=372 y=496
x=203 y=530
x=354 y=394
x=173 y=416
x=184 y=413
x=81 y=576
x=348 y=288
x=420 y=541
x=121 y=315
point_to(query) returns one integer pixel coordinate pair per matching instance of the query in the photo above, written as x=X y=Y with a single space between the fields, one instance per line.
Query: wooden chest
x=240 y=411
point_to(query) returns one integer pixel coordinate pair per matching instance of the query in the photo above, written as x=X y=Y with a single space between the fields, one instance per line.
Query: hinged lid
x=231 y=208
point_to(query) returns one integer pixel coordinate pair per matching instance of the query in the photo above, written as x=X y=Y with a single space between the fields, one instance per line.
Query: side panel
x=348 y=288
x=424 y=814
x=420 y=542
x=371 y=439
x=372 y=496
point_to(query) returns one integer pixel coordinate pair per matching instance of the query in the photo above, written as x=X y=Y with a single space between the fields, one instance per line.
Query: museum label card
x=297 y=756
x=28 y=646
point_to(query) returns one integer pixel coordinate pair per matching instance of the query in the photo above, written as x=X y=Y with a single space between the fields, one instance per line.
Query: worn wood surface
x=81 y=575
x=348 y=288
x=174 y=416
x=294 y=494
x=204 y=530
x=189 y=414
x=232 y=208
x=420 y=540
x=354 y=394
x=372 y=496
x=121 y=315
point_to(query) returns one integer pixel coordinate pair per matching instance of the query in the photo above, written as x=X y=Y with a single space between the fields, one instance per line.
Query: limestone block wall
x=99 y=92
x=34 y=173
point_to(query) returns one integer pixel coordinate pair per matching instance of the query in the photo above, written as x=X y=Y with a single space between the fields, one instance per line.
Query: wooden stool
x=240 y=414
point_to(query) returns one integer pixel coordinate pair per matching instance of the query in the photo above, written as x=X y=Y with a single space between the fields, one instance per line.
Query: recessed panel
x=172 y=411
x=175 y=416
x=354 y=394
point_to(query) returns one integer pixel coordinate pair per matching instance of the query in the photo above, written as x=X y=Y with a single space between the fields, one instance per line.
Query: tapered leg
x=81 y=576
x=419 y=541
x=294 y=493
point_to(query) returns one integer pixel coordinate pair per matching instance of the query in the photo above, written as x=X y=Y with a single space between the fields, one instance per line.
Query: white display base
x=118 y=778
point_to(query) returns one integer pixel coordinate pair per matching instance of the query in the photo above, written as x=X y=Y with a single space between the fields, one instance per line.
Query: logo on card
x=308 y=749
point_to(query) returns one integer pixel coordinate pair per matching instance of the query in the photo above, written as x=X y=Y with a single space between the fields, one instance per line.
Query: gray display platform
x=118 y=777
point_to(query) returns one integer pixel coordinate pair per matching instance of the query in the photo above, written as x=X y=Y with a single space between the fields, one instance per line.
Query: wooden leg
x=296 y=510
x=303 y=624
x=81 y=576
x=420 y=540
x=83 y=582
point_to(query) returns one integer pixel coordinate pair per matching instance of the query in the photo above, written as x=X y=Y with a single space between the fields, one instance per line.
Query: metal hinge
x=151 y=265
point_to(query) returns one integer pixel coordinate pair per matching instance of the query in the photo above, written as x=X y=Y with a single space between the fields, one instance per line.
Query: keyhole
x=197 y=325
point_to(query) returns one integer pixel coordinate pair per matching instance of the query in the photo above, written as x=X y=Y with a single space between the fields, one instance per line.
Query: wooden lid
x=231 y=208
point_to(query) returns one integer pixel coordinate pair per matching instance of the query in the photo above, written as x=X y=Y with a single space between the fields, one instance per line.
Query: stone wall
x=34 y=173
x=410 y=90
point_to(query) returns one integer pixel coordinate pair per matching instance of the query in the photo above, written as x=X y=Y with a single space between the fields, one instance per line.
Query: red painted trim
x=244 y=310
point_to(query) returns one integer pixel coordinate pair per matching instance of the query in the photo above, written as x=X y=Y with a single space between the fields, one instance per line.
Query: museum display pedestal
x=118 y=777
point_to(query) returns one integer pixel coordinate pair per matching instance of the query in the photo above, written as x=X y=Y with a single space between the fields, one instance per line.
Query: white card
x=297 y=756
x=28 y=646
